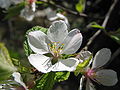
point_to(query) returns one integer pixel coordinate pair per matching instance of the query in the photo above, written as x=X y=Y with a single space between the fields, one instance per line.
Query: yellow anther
x=55 y=49
x=49 y=44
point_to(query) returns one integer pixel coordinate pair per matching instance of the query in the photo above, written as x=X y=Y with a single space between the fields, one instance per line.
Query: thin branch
x=10 y=28
x=69 y=10
x=51 y=3
x=115 y=54
x=103 y=25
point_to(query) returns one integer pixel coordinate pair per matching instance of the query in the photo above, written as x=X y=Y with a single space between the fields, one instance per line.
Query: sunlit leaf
x=115 y=35
x=15 y=62
x=61 y=76
x=95 y=25
x=80 y=6
x=6 y=65
x=46 y=82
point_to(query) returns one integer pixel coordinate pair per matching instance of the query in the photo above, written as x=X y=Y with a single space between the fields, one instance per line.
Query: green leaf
x=61 y=76
x=15 y=10
x=95 y=25
x=81 y=66
x=27 y=49
x=115 y=36
x=46 y=82
x=39 y=2
x=37 y=28
x=16 y=62
x=6 y=65
x=80 y=6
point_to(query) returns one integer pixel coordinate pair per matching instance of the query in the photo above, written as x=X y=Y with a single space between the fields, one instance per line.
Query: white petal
x=61 y=16
x=72 y=42
x=81 y=83
x=33 y=5
x=37 y=41
x=57 y=31
x=40 y=62
x=66 y=65
x=27 y=13
x=84 y=55
x=18 y=79
x=89 y=85
x=53 y=18
x=106 y=77
x=101 y=58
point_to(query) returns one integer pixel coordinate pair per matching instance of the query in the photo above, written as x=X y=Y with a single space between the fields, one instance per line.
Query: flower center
x=90 y=73
x=56 y=49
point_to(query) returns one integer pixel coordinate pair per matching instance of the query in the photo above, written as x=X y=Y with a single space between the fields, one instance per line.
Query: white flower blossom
x=53 y=16
x=18 y=79
x=57 y=42
x=29 y=11
x=106 y=77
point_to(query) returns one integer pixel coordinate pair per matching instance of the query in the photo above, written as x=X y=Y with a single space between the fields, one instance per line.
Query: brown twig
x=103 y=25
x=10 y=25
x=115 y=54
x=69 y=10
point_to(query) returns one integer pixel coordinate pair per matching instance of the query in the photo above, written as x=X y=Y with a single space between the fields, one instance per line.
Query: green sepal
x=81 y=66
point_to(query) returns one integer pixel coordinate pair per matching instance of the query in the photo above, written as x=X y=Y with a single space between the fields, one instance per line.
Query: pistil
x=55 y=50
